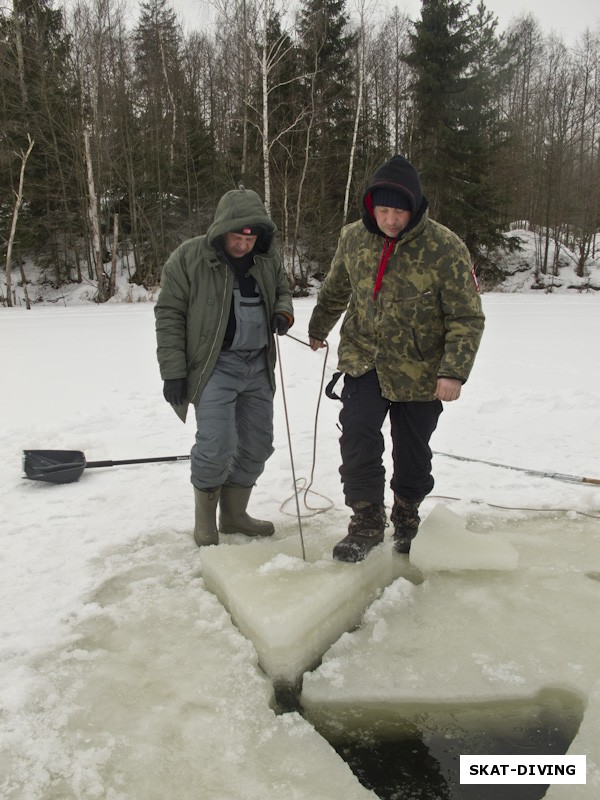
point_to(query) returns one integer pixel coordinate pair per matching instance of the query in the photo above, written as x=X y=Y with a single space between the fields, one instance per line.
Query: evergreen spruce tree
x=483 y=138
x=158 y=94
x=197 y=172
x=38 y=101
x=327 y=52
x=440 y=55
x=458 y=65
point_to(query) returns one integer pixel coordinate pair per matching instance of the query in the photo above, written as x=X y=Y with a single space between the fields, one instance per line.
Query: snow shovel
x=67 y=466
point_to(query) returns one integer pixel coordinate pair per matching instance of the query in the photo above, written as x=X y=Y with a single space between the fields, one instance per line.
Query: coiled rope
x=300 y=484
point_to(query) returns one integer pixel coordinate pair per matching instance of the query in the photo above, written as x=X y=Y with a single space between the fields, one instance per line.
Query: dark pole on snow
x=89 y=464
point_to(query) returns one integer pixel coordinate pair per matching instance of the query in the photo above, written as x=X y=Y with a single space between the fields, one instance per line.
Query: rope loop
x=300 y=484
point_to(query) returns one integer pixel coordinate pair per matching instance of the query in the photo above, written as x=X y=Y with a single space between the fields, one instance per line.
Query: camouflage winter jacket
x=426 y=321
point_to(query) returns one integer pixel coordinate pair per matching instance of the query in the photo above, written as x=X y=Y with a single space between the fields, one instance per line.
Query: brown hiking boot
x=405 y=518
x=365 y=532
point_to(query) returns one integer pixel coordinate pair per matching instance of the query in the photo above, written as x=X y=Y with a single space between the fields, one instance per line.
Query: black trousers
x=362 y=443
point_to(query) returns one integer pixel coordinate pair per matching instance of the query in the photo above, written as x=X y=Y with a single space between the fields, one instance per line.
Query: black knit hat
x=391 y=198
x=399 y=175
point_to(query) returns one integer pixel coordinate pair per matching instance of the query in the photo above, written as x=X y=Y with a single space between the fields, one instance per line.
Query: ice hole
x=414 y=753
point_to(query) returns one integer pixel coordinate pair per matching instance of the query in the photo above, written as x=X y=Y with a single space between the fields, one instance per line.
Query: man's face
x=237 y=244
x=391 y=221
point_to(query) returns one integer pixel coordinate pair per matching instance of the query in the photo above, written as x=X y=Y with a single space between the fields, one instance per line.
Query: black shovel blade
x=53 y=466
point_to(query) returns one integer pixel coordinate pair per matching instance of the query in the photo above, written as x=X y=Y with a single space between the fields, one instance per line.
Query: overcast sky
x=569 y=18
x=566 y=17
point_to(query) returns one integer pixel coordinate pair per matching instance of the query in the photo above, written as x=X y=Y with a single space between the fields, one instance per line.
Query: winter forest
x=117 y=136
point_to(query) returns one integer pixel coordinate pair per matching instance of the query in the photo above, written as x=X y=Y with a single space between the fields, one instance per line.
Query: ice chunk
x=459 y=648
x=292 y=610
x=444 y=543
x=474 y=650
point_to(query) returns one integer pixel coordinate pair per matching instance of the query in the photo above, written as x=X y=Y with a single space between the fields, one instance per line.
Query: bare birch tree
x=586 y=198
x=359 y=96
x=16 y=19
x=94 y=221
x=15 y=217
x=266 y=56
x=114 y=252
x=299 y=198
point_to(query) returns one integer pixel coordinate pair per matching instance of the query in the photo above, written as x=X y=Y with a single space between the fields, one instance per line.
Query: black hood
x=399 y=175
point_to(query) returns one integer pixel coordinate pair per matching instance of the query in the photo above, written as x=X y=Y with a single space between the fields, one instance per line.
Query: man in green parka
x=412 y=328
x=223 y=297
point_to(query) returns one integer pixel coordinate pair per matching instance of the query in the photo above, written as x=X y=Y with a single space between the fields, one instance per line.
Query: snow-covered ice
x=444 y=543
x=264 y=585
x=123 y=677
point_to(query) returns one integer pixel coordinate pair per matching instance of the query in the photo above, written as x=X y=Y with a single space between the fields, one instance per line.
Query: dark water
x=425 y=764
x=427 y=767
x=396 y=770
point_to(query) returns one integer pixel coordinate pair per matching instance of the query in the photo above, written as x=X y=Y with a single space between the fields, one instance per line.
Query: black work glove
x=280 y=324
x=175 y=391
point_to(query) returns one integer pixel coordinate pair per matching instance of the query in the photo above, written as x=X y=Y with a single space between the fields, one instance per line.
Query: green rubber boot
x=233 y=517
x=205 y=529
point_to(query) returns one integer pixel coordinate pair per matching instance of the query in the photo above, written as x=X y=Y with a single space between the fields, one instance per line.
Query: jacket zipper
x=215 y=338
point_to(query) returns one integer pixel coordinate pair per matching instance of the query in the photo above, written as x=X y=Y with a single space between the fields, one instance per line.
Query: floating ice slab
x=464 y=650
x=456 y=639
x=444 y=543
x=293 y=610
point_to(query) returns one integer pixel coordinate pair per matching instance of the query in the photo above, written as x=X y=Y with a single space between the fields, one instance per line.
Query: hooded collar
x=237 y=209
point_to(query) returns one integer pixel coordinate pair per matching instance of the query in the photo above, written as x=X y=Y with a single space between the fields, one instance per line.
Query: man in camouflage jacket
x=408 y=340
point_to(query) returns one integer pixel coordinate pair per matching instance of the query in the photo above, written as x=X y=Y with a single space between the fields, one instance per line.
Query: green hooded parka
x=197 y=288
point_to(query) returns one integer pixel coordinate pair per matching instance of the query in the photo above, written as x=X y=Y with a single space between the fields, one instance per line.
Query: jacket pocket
x=413 y=327
x=417 y=347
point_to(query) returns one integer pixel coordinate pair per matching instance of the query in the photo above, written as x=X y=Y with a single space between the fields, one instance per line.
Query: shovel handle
x=91 y=464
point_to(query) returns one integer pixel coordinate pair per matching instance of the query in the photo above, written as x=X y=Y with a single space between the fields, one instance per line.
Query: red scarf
x=388 y=246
